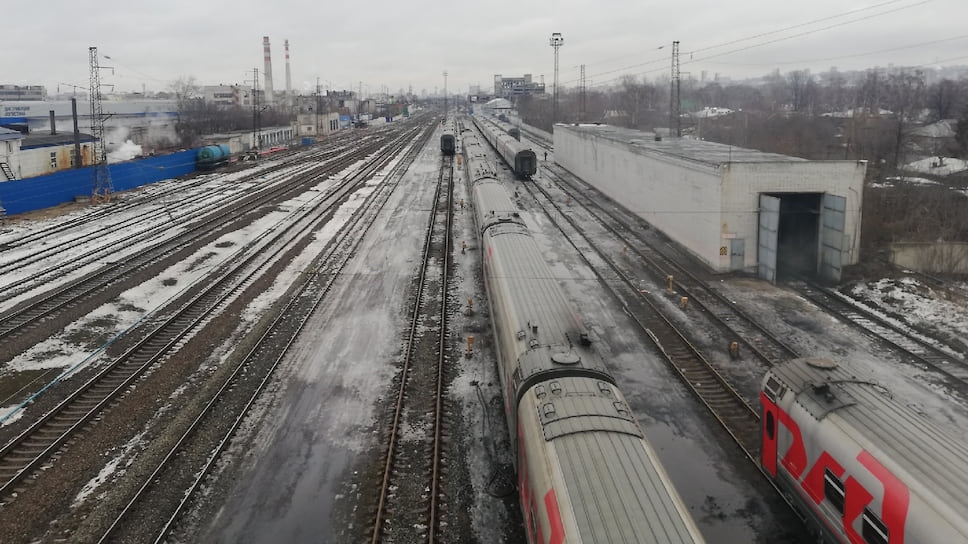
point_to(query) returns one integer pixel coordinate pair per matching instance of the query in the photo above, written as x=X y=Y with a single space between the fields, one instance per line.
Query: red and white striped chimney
x=268 y=70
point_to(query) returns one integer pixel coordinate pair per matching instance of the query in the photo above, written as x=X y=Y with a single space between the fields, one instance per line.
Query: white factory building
x=735 y=209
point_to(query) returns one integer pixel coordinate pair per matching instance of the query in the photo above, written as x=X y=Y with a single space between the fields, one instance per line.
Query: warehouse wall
x=681 y=199
x=744 y=182
x=24 y=195
x=705 y=207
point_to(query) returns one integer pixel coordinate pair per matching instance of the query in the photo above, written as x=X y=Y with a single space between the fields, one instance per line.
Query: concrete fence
x=937 y=257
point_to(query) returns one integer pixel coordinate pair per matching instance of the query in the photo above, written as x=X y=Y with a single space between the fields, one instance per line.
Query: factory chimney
x=289 y=97
x=268 y=71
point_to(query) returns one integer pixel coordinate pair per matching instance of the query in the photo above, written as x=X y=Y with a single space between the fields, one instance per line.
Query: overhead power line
x=840 y=57
x=691 y=59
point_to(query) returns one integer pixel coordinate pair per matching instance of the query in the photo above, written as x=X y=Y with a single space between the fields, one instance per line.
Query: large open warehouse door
x=767 y=238
x=833 y=210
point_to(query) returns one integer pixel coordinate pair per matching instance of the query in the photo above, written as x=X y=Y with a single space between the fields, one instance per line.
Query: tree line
x=832 y=115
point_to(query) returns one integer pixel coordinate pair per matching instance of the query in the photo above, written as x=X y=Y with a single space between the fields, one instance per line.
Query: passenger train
x=448 y=143
x=522 y=160
x=859 y=463
x=586 y=471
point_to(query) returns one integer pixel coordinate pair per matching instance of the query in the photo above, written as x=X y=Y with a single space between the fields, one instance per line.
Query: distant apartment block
x=510 y=87
x=22 y=92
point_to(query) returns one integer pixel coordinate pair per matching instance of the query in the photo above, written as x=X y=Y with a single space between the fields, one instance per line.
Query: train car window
x=874 y=531
x=833 y=489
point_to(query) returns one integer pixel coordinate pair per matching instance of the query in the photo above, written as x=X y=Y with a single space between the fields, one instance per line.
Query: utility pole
x=78 y=159
x=556 y=42
x=675 y=106
x=102 y=186
x=445 y=95
x=316 y=130
x=581 y=103
x=255 y=110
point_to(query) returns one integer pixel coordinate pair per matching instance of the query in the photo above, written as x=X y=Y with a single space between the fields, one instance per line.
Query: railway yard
x=302 y=350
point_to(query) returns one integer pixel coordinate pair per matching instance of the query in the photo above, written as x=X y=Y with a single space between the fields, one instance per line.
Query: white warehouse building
x=735 y=209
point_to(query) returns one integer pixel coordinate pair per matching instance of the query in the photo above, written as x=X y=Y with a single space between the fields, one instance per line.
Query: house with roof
x=9 y=154
x=48 y=153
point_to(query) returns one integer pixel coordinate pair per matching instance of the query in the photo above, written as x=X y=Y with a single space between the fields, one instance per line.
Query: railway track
x=641 y=255
x=153 y=512
x=920 y=351
x=410 y=499
x=88 y=250
x=727 y=405
x=21 y=456
x=21 y=327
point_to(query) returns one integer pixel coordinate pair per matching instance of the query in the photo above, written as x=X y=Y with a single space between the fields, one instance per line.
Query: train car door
x=767 y=238
x=833 y=210
x=772 y=390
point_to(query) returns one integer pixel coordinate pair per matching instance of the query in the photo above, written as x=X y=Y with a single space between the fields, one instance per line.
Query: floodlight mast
x=556 y=41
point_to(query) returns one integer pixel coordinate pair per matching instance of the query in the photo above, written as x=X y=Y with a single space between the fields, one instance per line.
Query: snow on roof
x=944 y=128
x=498 y=103
x=700 y=151
x=7 y=134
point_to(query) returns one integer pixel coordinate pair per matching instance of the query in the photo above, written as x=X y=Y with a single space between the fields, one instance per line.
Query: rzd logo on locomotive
x=897 y=498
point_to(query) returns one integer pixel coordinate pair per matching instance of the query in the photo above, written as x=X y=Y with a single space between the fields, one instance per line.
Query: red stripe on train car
x=897 y=497
x=554 y=518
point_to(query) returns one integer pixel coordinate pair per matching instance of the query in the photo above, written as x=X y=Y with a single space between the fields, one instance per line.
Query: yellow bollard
x=458 y=160
x=470 y=345
x=462 y=203
x=670 y=284
x=463 y=247
x=734 y=350
x=470 y=306
x=625 y=251
x=684 y=301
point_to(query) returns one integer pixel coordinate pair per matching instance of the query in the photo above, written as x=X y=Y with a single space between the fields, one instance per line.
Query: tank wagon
x=212 y=156
x=522 y=160
x=448 y=143
x=586 y=471
x=860 y=464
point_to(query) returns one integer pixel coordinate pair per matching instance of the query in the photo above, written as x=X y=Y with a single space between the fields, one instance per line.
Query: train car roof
x=650 y=509
x=909 y=443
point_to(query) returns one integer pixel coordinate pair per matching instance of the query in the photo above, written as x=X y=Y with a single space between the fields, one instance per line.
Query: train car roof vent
x=821 y=362
x=566 y=357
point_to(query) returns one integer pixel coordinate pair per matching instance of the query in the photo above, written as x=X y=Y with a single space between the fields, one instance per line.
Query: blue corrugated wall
x=24 y=195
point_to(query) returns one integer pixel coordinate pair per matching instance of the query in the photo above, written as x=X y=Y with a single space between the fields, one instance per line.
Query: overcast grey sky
x=399 y=44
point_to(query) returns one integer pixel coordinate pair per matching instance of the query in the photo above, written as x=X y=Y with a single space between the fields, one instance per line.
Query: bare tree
x=636 y=99
x=802 y=90
x=905 y=96
x=961 y=132
x=945 y=97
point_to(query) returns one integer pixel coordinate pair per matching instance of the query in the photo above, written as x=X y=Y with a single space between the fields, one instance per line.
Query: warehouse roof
x=7 y=134
x=700 y=151
x=49 y=140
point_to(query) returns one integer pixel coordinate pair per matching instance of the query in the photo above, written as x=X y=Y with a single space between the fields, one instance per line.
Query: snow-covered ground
x=361 y=330
x=939 y=166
